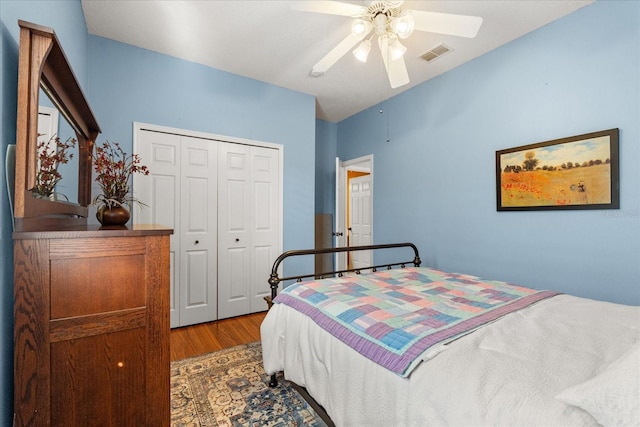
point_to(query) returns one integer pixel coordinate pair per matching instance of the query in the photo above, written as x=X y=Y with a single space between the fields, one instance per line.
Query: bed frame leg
x=273 y=382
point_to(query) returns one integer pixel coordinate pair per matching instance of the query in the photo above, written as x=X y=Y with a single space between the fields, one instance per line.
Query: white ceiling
x=270 y=42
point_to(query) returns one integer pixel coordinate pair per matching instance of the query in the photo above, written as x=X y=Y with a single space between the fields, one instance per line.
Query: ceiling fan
x=390 y=23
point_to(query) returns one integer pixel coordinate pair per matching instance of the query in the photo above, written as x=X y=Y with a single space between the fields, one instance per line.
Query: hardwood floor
x=190 y=341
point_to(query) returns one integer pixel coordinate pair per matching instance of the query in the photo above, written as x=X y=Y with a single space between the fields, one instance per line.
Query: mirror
x=54 y=131
x=43 y=69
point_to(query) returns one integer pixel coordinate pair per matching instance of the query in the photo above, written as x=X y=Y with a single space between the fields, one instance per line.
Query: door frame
x=358 y=164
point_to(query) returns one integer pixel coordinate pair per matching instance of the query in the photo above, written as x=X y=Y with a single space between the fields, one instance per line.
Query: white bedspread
x=507 y=373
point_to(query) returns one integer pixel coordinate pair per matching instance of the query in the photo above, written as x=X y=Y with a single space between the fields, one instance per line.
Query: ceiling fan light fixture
x=403 y=25
x=396 y=49
x=360 y=28
x=362 y=51
x=386 y=20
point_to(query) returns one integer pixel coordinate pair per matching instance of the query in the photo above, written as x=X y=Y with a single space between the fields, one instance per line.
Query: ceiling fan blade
x=330 y=7
x=396 y=69
x=446 y=23
x=335 y=54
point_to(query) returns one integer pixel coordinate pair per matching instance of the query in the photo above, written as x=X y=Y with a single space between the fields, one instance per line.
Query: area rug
x=230 y=388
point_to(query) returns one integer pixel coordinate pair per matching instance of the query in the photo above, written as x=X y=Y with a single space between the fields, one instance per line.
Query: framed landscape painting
x=579 y=172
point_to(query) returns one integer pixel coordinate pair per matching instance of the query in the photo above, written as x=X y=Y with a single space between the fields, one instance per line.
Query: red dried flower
x=114 y=168
x=51 y=154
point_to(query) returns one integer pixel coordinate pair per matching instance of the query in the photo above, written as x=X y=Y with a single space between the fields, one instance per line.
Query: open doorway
x=354 y=210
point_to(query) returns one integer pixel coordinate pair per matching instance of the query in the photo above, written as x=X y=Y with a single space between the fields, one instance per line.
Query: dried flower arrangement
x=114 y=167
x=51 y=154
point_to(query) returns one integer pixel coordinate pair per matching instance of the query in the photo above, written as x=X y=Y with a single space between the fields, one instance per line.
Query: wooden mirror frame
x=42 y=62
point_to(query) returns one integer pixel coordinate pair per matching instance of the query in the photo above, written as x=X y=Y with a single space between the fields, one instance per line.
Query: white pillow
x=612 y=397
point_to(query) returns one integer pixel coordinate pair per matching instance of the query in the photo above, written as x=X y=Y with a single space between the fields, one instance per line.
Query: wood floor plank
x=190 y=341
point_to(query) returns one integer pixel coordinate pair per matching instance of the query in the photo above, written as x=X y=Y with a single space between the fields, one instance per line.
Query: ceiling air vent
x=436 y=52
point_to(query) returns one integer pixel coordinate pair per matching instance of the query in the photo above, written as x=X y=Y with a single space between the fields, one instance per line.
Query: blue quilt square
x=397 y=339
x=350 y=315
x=316 y=297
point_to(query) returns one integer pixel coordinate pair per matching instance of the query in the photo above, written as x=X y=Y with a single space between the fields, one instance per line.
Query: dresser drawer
x=83 y=286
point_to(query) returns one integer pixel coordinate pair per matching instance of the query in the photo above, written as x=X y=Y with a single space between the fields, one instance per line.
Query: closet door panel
x=234 y=225
x=263 y=257
x=160 y=191
x=265 y=178
x=163 y=198
x=198 y=222
x=236 y=283
x=195 y=295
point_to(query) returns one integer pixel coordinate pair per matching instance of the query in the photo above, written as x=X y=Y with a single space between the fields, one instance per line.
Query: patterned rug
x=230 y=388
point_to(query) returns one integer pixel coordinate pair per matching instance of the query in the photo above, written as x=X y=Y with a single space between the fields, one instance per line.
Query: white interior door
x=160 y=191
x=360 y=219
x=234 y=230
x=48 y=118
x=47 y=125
x=360 y=164
x=198 y=224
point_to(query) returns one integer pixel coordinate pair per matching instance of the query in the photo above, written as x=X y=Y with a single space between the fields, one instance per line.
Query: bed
x=554 y=360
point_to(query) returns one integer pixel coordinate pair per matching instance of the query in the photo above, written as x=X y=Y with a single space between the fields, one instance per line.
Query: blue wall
x=326 y=152
x=577 y=75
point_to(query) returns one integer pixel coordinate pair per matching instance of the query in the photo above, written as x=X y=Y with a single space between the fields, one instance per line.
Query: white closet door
x=160 y=191
x=198 y=218
x=223 y=201
x=180 y=192
x=265 y=178
x=234 y=230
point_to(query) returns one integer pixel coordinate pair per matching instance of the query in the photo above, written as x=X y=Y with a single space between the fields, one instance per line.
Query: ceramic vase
x=112 y=215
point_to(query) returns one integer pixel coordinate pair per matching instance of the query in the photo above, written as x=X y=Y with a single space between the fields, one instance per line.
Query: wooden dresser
x=92 y=327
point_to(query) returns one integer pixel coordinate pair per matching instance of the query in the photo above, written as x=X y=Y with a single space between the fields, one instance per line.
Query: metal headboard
x=274 y=279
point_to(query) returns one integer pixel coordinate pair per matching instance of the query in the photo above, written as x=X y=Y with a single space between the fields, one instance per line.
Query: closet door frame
x=140 y=126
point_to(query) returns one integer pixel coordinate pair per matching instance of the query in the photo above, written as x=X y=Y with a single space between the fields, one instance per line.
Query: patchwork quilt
x=395 y=317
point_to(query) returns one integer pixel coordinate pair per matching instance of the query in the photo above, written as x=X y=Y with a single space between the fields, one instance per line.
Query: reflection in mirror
x=54 y=127
x=43 y=69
